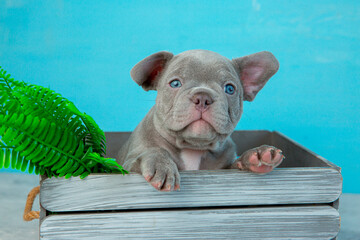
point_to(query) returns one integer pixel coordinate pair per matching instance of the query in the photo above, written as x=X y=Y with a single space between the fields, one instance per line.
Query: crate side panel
x=114 y=141
x=310 y=222
x=198 y=189
x=246 y=140
x=297 y=155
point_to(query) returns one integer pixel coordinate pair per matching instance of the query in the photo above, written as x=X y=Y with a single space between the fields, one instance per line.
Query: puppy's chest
x=191 y=158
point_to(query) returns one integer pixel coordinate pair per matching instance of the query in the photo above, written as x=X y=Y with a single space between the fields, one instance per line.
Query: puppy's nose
x=202 y=101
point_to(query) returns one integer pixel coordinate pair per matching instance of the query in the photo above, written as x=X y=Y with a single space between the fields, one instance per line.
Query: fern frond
x=8 y=102
x=56 y=153
x=11 y=158
x=44 y=132
x=95 y=137
x=46 y=103
x=2 y=144
x=105 y=165
x=26 y=132
x=6 y=82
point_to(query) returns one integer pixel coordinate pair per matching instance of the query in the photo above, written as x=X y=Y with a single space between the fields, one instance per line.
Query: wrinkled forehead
x=200 y=65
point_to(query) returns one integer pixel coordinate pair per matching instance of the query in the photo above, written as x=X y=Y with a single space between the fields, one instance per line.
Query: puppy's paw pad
x=249 y=160
x=260 y=169
x=261 y=160
x=270 y=156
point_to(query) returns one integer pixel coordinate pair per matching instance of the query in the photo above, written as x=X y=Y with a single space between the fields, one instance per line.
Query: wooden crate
x=297 y=200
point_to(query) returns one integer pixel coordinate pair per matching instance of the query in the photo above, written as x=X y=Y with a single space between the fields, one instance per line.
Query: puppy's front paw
x=162 y=174
x=262 y=159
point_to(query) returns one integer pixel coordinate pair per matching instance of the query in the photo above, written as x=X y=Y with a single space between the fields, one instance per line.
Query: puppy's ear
x=146 y=72
x=254 y=71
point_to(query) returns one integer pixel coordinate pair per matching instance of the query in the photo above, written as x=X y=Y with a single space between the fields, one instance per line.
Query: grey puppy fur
x=198 y=105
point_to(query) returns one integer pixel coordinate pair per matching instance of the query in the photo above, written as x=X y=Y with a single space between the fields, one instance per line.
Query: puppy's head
x=200 y=93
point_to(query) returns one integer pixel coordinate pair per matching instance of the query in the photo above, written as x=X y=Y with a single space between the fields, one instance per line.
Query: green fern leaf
x=43 y=132
x=33 y=148
x=95 y=137
x=8 y=102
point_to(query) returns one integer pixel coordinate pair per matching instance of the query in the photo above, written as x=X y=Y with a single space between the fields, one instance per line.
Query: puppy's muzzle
x=202 y=98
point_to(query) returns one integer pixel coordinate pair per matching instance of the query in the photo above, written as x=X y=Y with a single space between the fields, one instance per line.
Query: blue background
x=85 y=50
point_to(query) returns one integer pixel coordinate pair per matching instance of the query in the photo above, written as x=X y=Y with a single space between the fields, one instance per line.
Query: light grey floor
x=15 y=187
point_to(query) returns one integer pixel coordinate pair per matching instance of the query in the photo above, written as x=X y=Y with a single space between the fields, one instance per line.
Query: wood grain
x=198 y=189
x=159 y=215
x=306 y=222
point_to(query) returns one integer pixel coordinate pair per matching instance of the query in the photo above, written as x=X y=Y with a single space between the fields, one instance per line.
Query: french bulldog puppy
x=199 y=101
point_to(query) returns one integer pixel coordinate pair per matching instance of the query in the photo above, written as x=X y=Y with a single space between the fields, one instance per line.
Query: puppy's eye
x=229 y=89
x=175 y=83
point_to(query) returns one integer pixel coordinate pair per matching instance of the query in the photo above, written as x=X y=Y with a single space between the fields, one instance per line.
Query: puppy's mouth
x=199 y=127
x=198 y=133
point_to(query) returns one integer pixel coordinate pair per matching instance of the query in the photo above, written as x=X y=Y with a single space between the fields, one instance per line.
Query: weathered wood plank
x=198 y=189
x=306 y=222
